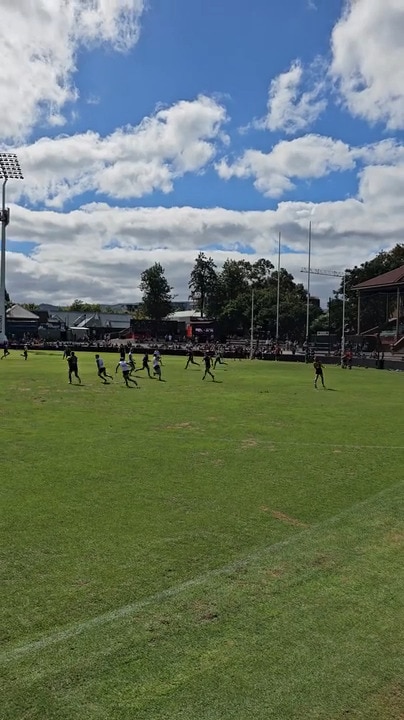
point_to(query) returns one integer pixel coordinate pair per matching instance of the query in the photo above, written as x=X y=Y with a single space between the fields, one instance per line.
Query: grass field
x=195 y=550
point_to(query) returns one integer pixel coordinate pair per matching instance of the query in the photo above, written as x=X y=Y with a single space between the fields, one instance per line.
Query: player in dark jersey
x=318 y=372
x=190 y=360
x=5 y=350
x=73 y=367
x=122 y=352
x=102 y=371
x=145 y=365
x=208 y=364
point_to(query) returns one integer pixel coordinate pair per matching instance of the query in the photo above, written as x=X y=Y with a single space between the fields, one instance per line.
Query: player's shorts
x=126 y=373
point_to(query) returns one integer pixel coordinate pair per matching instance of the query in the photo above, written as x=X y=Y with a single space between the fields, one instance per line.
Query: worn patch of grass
x=239 y=542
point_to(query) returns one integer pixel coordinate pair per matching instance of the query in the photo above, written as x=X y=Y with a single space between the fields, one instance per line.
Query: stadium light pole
x=278 y=292
x=308 y=294
x=334 y=273
x=9 y=170
x=252 y=326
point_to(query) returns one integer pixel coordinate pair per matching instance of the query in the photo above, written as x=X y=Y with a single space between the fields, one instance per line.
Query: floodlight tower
x=333 y=273
x=9 y=170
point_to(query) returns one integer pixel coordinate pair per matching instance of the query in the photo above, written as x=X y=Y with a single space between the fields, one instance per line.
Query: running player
x=156 y=365
x=157 y=355
x=125 y=372
x=208 y=364
x=5 y=350
x=25 y=352
x=73 y=367
x=318 y=372
x=102 y=372
x=190 y=356
x=145 y=365
x=131 y=361
x=218 y=358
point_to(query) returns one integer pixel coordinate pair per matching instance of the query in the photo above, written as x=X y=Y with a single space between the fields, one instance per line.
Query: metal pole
x=278 y=294
x=308 y=296
x=398 y=315
x=329 y=326
x=252 y=326
x=358 y=327
x=3 y=336
x=343 y=321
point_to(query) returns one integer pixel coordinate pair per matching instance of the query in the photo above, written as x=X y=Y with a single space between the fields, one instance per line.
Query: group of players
x=128 y=366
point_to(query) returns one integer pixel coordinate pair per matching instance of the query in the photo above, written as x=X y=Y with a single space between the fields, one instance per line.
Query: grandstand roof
x=17 y=312
x=387 y=281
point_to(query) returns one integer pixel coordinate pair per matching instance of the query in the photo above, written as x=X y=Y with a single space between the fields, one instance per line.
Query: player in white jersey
x=156 y=365
x=157 y=355
x=131 y=361
x=102 y=371
x=125 y=372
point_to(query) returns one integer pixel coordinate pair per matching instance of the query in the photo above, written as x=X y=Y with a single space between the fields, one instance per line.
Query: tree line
x=225 y=295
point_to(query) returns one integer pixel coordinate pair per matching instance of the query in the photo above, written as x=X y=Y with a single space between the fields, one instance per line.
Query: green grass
x=196 y=550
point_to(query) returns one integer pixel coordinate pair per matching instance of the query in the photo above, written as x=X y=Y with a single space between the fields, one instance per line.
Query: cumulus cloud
x=290 y=107
x=310 y=156
x=39 y=41
x=367 y=60
x=129 y=163
x=98 y=251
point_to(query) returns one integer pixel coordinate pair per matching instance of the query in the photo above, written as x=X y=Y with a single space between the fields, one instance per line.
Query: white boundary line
x=84 y=626
x=325 y=445
x=265 y=441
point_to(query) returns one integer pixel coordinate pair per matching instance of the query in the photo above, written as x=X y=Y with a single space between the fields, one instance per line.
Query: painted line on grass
x=329 y=445
x=84 y=626
x=291 y=443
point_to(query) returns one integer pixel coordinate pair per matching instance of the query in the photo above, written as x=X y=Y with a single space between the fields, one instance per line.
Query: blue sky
x=147 y=133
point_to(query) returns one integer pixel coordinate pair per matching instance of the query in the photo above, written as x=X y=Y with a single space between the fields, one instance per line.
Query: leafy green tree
x=32 y=307
x=82 y=307
x=203 y=281
x=231 y=305
x=157 y=298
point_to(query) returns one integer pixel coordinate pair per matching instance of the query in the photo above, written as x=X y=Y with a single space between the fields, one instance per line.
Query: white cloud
x=290 y=108
x=39 y=40
x=129 y=163
x=311 y=156
x=99 y=251
x=367 y=61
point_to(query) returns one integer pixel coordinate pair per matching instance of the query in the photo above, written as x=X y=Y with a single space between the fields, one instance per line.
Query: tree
x=231 y=303
x=157 y=298
x=82 y=307
x=203 y=281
